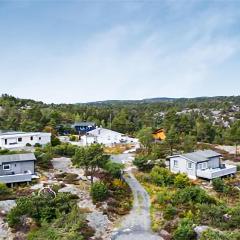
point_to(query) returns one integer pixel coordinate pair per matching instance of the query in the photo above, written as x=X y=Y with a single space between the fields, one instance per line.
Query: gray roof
x=9 y=132
x=201 y=155
x=21 y=157
x=84 y=124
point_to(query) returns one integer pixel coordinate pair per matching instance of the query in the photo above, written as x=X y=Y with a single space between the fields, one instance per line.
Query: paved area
x=136 y=225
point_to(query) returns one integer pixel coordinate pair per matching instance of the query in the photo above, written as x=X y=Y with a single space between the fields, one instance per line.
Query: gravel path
x=137 y=225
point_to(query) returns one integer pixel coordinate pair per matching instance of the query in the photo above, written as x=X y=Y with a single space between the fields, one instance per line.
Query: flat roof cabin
x=17 y=167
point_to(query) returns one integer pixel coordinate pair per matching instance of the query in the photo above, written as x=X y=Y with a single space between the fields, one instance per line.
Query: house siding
x=18 y=167
x=183 y=166
x=214 y=162
x=13 y=140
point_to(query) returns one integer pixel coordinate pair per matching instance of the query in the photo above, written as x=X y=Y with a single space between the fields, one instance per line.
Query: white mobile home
x=204 y=164
x=14 y=140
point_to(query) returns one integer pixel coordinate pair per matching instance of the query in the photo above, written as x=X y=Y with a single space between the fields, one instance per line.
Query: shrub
x=43 y=159
x=73 y=138
x=181 y=181
x=37 y=145
x=218 y=185
x=4 y=190
x=143 y=163
x=169 y=212
x=164 y=197
x=28 y=145
x=185 y=230
x=192 y=194
x=161 y=176
x=238 y=168
x=99 y=192
x=216 y=235
x=114 y=169
x=55 y=141
x=211 y=214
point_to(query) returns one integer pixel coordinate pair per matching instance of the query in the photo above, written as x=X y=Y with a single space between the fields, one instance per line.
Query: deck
x=23 y=177
x=212 y=173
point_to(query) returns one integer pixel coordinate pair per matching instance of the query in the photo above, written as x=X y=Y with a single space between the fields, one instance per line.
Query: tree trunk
x=236 y=153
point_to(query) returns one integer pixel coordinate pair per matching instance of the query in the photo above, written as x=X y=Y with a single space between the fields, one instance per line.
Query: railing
x=216 y=172
x=24 y=177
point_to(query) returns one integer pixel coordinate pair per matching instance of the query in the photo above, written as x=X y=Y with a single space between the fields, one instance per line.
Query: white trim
x=9 y=167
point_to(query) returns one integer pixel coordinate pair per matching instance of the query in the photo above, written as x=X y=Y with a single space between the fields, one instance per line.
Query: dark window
x=6 y=167
x=19 y=139
x=39 y=138
x=31 y=138
x=5 y=141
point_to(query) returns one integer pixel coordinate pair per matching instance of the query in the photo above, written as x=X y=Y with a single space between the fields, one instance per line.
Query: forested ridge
x=208 y=119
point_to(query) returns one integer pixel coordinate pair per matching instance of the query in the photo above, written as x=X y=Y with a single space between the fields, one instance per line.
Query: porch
x=211 y=173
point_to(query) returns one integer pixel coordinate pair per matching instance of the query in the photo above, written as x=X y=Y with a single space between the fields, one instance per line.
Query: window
x=204 y=165
x=19 y=139
x=6 y=167
x=5 y=141
x=39 y=138
x=189 y=165
x=175 y=163
x=31 y=138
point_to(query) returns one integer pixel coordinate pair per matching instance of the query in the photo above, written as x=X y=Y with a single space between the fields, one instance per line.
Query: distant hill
x=235 y=99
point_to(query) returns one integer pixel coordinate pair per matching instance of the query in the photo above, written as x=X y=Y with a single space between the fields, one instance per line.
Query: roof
x=158 y=130
x=9 y=133
x=21 y=157
x=13 y=133
x=84 y=124
x=102 y=131
x=195 y=157
x=200 y=156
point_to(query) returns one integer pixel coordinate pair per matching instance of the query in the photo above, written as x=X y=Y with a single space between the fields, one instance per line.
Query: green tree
x=90 y=158
x=145 y=137
x=172 y=138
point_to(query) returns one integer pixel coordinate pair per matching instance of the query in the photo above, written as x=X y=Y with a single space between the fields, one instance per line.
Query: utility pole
x=110 y=121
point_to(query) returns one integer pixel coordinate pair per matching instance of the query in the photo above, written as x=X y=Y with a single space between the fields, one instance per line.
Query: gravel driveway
x=136 y=225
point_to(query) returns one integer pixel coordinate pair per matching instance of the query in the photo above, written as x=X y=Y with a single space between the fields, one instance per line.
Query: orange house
x=159 y=134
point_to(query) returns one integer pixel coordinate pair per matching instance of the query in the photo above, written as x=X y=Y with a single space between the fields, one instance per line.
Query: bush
x=28 y=145
x=55 y=141
x=65 y=149
x=164 y=197
x=218 y=185
x=4 y=190
x=211 y=214
x=43 y=159
x=169 y=212
x=99 y=192
x=37 y=145
x=161 y=176
x=216 y=235
x=185 y=230
x=143 y=163
x=181 y=181
x=238 y=168
x=73 y=138
x=114 y=169
x=192 y=194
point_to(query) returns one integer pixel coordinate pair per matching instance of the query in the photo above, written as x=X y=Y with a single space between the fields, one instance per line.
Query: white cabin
x=106 y=137
x=203 y=164
x=15 y=140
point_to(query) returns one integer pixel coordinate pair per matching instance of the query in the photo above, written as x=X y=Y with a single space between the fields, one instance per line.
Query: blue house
x=84 y=127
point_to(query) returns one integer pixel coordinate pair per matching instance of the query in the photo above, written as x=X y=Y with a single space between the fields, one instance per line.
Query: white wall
x=13 y=140
x=106 y=137
x=182 y=167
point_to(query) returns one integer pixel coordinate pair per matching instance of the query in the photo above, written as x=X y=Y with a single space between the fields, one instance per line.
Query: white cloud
x=126 y=62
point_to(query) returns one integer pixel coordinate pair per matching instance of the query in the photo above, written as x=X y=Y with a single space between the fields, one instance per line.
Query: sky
x=80 y=51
